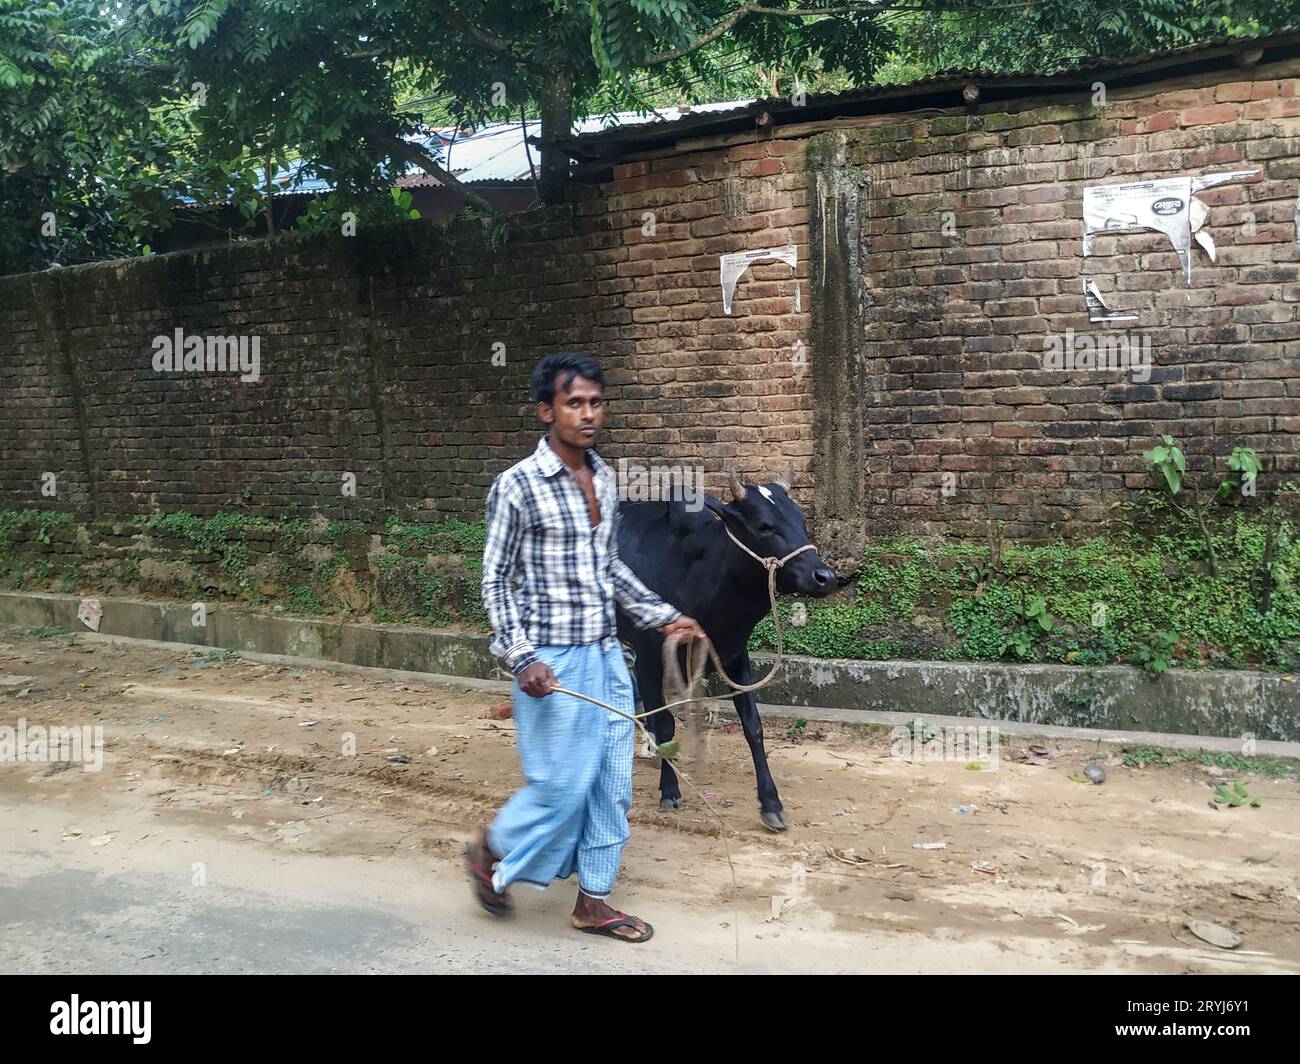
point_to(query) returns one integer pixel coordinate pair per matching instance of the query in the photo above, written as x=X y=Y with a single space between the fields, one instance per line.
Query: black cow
x=688 y=559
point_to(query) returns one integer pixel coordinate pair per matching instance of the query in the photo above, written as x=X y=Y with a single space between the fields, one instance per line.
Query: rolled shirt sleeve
x=505 y=531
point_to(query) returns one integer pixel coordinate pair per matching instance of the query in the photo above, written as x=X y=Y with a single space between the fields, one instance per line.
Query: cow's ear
x=714 y=505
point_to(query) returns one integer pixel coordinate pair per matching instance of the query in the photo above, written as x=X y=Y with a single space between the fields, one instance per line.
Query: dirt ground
x=1037 y=872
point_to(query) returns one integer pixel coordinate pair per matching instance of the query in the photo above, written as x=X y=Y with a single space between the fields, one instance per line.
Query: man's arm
x=505 y=531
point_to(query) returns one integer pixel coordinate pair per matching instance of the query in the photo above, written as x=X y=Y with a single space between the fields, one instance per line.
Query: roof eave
x=941 y=90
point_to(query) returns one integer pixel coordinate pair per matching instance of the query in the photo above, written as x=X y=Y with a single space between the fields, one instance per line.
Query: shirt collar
x=551 y=463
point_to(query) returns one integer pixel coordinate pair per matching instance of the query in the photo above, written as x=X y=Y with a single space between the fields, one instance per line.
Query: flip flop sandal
x=606 y=928
x=482 y=883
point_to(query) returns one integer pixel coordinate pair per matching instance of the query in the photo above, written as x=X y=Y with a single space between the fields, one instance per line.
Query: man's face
x=578 y=412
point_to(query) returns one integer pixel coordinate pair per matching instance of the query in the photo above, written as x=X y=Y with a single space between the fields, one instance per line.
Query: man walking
x=552 y=525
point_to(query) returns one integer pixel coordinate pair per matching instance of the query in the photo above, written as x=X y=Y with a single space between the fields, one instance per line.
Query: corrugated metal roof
x=1091 y=66
x=498 y=151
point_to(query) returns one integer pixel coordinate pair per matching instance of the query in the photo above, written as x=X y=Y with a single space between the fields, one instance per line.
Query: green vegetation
x=1181 y=577
x=1140 y=592
x=42 y=522
x=1113 y=598
x=1235 y=764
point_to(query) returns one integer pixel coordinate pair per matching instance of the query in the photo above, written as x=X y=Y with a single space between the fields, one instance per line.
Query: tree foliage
x=115 y=115
x=1048 y=35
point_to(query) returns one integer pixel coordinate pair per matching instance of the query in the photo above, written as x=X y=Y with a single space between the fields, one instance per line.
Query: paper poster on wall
x=1165 y=206
x=1097 y=309
x=735 y=264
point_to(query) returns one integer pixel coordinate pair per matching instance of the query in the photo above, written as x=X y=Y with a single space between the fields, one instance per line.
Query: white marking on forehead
x=766 y=494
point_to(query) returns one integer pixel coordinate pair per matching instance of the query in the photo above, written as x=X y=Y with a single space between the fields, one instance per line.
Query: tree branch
x=1205 y=532
x=490 y=41
x=411 y=153
x=717 y=30
x=741 y=13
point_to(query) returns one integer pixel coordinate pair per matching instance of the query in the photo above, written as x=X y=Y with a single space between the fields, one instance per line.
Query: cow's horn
x=786 y=479
x=737 y=488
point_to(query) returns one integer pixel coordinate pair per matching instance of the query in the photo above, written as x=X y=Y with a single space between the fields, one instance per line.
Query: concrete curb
x=1118 y=699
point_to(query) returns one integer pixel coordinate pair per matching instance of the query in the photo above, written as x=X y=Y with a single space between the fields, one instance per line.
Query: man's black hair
x=566 y=365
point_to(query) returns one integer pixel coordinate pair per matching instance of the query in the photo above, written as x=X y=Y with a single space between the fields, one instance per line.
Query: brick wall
x=921 y=348
x=955 y=317
x=377 y=354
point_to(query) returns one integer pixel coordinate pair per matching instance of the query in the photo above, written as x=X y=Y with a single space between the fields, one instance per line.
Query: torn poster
x=1210 y=180
x=1200 y=212
x=734 y=265
x=1165 y=206
x=1097 y=309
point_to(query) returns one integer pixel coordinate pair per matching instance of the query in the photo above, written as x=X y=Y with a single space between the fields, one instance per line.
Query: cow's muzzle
x=812 y=578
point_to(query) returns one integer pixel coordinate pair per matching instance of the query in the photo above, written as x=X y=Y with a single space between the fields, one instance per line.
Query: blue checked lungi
x=577 y=762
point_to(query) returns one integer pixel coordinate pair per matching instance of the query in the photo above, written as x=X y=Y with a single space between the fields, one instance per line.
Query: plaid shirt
x=539 y=532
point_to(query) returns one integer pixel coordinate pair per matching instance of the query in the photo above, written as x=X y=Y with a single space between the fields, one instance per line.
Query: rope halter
x=770 y=563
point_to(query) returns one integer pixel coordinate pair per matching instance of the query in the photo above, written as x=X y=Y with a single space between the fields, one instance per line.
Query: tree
x=1047 y=35
x=115 y=114
x=96 y=146
x=324 y=77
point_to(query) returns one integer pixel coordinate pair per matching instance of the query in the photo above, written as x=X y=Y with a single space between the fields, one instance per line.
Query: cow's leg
x=769 y=802
x=650 y=680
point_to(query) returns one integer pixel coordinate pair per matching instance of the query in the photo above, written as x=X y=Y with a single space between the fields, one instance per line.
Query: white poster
x=1166 y=206
x=1160 y=205
x=736 y=264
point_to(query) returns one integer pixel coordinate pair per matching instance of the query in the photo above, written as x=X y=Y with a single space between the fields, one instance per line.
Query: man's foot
x=480 y=860
x=595 y=917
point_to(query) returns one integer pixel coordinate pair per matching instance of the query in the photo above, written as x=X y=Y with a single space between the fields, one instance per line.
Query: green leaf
x=669 y=750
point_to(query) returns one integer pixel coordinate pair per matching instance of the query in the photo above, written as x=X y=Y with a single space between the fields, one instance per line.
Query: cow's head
x=770 y=523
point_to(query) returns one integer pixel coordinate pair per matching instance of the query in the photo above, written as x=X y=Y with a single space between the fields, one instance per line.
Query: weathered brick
x=1197 y=116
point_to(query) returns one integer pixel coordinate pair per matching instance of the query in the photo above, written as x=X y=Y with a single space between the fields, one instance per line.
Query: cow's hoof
x=775 y=820
x=671 y=803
